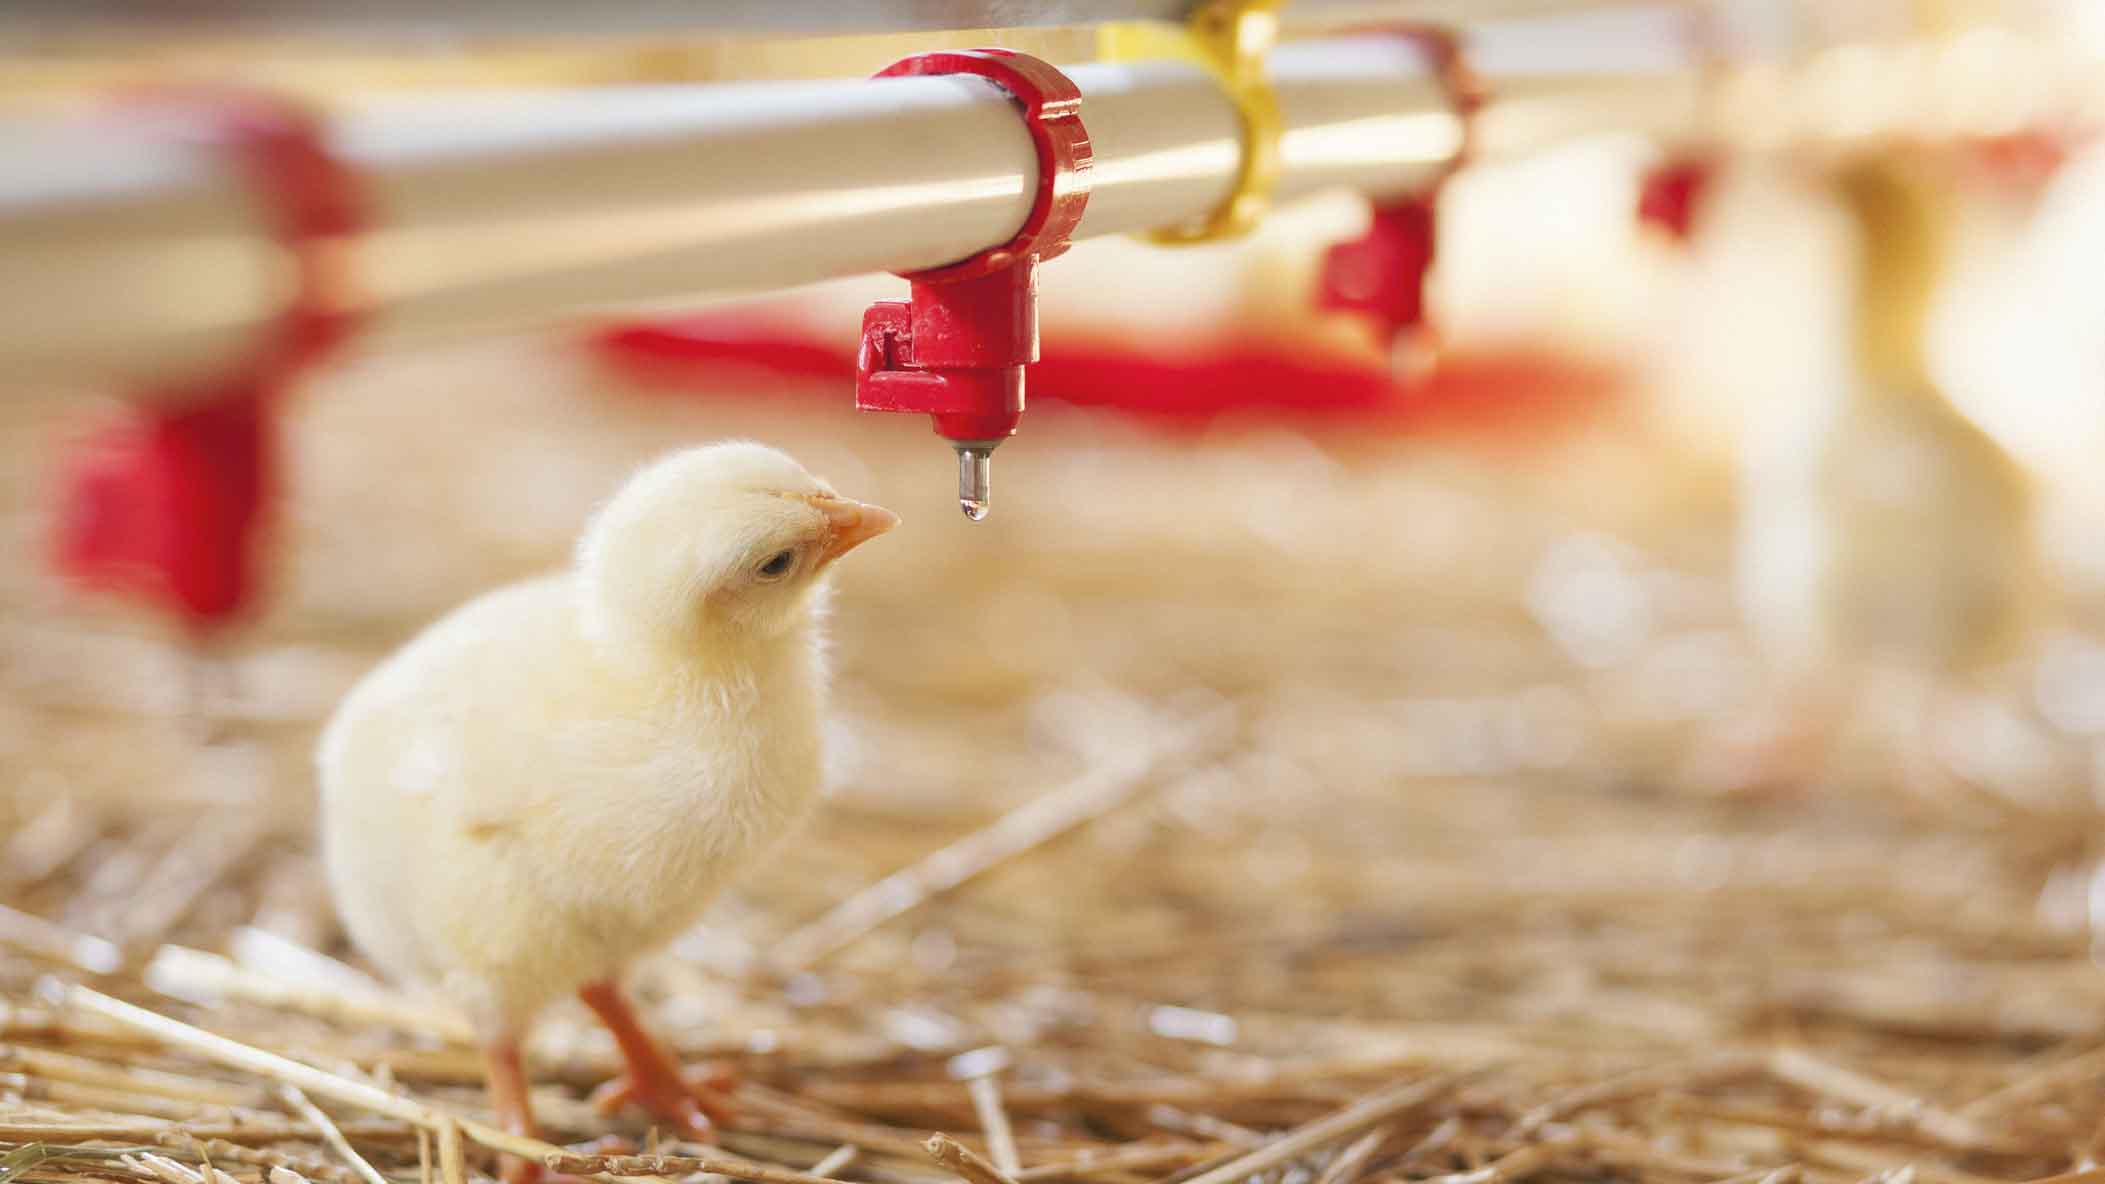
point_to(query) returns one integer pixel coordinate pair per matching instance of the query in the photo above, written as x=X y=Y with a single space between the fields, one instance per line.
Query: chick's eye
x=778 y=565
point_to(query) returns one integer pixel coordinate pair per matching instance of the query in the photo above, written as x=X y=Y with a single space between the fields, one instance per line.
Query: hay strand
x=1374 y=1109
x=962 y=1162
x=330 y=1133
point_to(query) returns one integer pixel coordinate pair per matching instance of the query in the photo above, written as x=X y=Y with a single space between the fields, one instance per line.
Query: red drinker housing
x=956 y=348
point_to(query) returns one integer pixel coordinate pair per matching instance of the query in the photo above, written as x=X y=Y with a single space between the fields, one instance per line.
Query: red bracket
x=1381 y=275
x=956 y=348
x=167 y=504
x=1671 y=192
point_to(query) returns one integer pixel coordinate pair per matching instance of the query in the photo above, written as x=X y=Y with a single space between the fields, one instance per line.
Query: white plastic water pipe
x=126 y=253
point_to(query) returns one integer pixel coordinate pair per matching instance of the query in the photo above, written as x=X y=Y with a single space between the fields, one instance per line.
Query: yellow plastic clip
x=1230 y=39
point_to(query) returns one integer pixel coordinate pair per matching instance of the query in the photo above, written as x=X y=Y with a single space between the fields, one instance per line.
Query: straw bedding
x=1241 y=807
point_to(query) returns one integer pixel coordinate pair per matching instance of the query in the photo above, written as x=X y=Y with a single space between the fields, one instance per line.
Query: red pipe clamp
x=1381 y=275
x=1670 y=194
x=956 y=348
x=168 y=504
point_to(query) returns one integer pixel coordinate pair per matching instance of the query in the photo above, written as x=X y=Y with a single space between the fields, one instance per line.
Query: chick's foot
x=525 y=1171
x=521 y=1171
x=691 y=1104
x=695 y=1104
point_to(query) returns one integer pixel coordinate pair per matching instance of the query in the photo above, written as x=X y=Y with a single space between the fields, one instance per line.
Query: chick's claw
x=694 y=1103
x=520 y=1171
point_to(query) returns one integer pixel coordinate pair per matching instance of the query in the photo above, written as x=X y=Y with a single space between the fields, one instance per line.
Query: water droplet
x=975 y=479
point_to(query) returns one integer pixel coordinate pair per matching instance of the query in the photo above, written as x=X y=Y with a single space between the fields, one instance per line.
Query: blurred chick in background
x=558 y=777
x=1893 y=552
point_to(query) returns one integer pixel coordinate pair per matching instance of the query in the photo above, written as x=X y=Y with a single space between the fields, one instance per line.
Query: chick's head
x=717 y=544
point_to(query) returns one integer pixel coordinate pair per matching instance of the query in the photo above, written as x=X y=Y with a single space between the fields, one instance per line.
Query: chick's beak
x=850 y=524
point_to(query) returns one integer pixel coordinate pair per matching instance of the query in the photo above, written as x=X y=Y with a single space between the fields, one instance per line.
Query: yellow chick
x=558 y=777
x=1898 y=536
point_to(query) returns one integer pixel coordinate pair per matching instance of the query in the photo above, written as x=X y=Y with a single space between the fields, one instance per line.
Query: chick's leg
x=514 y=1108
x=1778 y=754
x=653 y=1081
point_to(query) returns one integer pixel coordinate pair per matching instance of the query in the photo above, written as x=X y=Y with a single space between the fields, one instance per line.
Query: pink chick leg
x=653 y=1081
x=508 y=1097
x=1782 y=755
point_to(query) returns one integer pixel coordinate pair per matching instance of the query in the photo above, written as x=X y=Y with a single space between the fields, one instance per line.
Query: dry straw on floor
x=1217 y=811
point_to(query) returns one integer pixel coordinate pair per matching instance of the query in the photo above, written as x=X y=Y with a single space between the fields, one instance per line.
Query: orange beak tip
x=851 y=523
